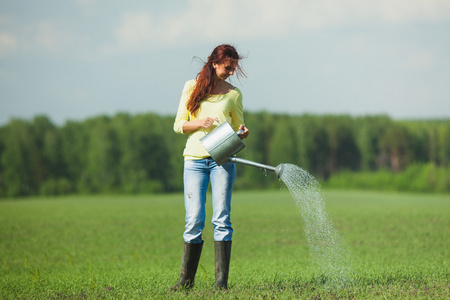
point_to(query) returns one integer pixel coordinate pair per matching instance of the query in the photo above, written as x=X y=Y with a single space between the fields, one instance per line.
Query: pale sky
x=75 y=59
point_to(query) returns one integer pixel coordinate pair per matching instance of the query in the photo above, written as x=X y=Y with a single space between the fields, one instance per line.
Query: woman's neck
x=221 y=87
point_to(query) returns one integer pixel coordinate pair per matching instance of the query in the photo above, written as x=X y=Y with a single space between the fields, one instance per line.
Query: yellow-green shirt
x=227 y=108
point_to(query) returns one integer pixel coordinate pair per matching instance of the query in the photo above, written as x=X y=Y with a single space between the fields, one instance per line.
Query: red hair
x=205 y=78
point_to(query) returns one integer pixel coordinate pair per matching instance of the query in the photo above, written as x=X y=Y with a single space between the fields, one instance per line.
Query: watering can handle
x=204 y=128
x=238 y=133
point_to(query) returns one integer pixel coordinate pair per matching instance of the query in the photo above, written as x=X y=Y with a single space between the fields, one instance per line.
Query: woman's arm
x=237 y=116
x=182 y=113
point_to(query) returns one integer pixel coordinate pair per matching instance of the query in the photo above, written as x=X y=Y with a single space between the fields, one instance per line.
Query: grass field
x=129 y=247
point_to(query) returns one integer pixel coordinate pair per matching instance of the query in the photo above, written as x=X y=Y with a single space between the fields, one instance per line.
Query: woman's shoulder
x=236 y=91
x=189 y=86
x=190 y=83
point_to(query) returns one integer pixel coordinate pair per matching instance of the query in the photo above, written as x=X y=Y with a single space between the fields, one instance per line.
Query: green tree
x=422 y=141
x=141 y=154
x=49 y=153
x=443 y=144
x=395 y=148
x=368 y=131
x=19 y=160
x=74 y=146
x=313 y=146
x=145 y=163
x=102 y=157
x=175 y=144
x=283 y=146
x=343 y=152
x=2 y=150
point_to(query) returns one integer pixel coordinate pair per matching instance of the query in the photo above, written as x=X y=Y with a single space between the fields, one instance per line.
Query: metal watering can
x=223 y=142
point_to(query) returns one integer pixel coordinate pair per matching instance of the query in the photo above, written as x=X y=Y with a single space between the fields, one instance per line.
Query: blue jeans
x=197 y=174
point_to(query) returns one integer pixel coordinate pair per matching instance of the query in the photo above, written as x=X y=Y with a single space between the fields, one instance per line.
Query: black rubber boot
x=189 y=264
x=222 y=253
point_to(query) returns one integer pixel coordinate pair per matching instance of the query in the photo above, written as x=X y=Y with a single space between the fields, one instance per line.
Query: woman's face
x=224 y=70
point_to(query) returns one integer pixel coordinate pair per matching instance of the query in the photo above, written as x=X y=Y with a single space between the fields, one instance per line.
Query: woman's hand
x=245 y=132
x=207 y=122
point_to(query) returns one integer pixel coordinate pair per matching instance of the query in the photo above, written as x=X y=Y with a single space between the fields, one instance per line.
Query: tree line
x=141 y=153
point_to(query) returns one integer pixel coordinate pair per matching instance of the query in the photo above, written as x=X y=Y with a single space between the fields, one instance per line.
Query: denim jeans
x=197 y=174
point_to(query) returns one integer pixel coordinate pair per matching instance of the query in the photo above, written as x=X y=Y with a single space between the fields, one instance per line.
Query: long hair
x=205 y=78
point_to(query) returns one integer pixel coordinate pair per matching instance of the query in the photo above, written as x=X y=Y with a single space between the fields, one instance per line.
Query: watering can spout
x=278 y=169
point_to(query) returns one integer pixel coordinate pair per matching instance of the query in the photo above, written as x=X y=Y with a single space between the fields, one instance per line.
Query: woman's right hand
x=207 y=122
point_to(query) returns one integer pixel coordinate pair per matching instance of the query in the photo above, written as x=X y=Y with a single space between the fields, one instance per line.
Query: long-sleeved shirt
x=227 y=108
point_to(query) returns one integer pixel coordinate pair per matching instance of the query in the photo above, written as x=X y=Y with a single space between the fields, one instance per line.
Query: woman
x=205 y=103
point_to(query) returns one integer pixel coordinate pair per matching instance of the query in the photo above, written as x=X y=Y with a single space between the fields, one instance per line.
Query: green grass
x=129 y=247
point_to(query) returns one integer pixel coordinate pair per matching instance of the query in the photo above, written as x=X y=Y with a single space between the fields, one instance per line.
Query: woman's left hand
x=245 y=132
